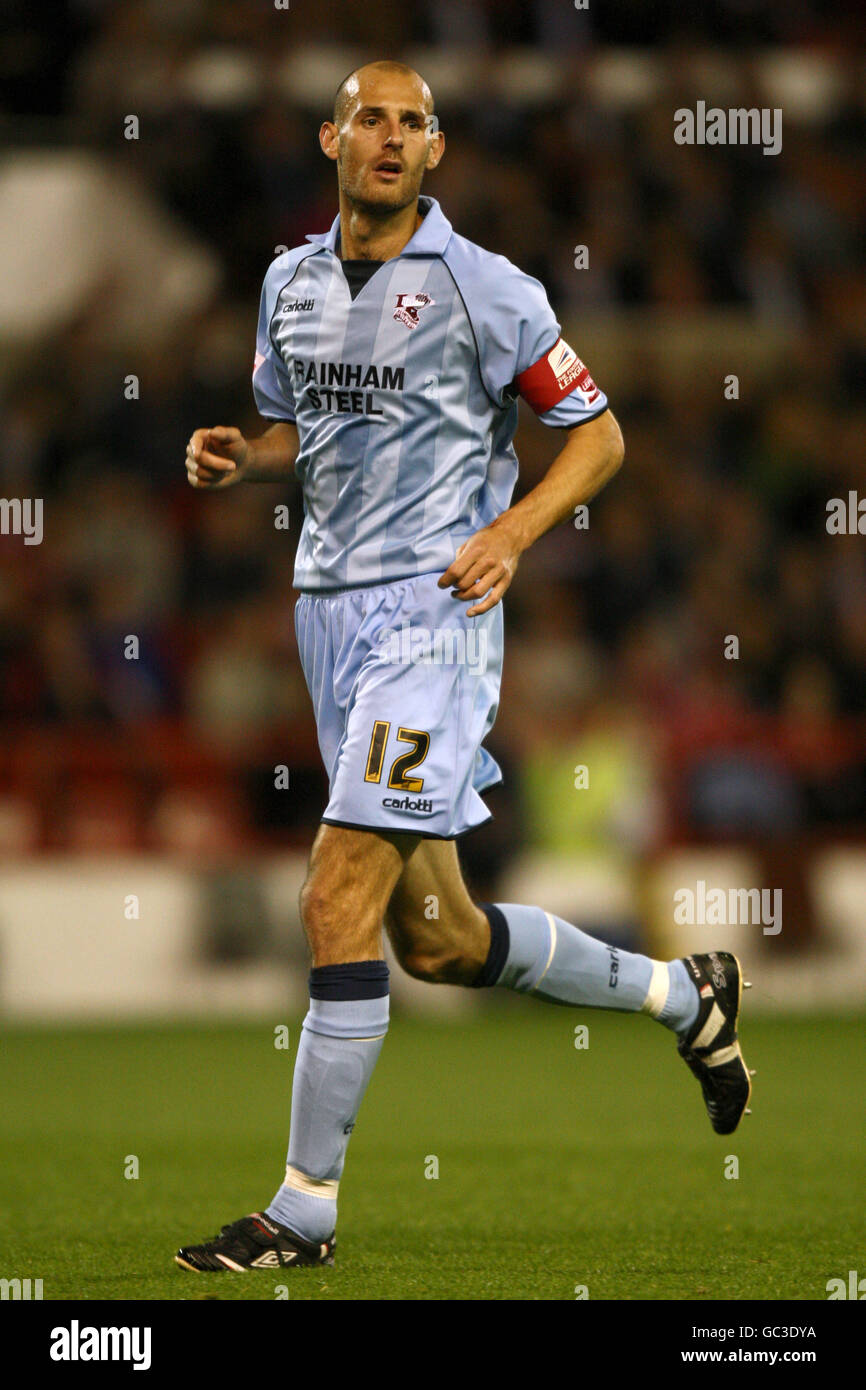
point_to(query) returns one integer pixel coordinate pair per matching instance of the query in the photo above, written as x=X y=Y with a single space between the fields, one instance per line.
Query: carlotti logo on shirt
x=419 y=806
x=409 y=307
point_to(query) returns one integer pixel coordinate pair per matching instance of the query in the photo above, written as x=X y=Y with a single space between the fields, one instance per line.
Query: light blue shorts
x=405 y=687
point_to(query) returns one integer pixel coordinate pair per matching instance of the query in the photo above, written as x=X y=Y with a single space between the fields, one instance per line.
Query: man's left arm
x=486 y=562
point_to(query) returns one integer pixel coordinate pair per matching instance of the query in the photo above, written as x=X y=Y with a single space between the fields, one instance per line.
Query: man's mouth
x=389 y=168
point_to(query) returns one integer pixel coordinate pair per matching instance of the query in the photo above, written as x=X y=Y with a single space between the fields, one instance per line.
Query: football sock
x=340 y=1043
x=534 y=952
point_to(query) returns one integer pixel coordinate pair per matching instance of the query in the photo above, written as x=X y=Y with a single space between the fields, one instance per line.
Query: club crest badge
x=409 y=307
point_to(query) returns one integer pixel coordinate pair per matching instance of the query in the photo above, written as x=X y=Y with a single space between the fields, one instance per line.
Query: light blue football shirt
x=405 y=398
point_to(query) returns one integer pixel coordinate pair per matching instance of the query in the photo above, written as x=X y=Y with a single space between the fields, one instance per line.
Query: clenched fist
x=216 y=457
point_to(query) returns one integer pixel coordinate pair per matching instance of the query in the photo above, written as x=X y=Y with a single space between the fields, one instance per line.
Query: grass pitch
x=557 y=1167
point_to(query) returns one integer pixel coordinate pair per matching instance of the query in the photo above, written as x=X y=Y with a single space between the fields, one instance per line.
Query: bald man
x=391 y=353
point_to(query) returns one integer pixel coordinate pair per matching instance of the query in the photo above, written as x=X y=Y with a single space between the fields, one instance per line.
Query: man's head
x=384 y=136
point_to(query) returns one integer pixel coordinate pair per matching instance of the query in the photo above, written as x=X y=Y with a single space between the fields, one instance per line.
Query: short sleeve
x=514 y=325
x=520 y=348
x=272 y=387
x=559 y=388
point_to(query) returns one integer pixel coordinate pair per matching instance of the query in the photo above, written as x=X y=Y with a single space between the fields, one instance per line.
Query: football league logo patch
x=561 y=358
x=570 y=372
x=409 y=307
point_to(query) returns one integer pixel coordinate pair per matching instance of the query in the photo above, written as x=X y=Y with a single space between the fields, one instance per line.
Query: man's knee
x=351 y=877
x=439 y=967
x=338 y=903
x=437 y=957
x=317 y=903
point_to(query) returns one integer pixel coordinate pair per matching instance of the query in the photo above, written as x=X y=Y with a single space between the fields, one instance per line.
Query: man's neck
x=366 y=237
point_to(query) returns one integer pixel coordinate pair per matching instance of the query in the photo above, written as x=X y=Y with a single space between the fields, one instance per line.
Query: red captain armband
x=555 y=376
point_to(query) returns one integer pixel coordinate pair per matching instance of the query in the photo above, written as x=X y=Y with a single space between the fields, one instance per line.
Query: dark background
x=703 y=262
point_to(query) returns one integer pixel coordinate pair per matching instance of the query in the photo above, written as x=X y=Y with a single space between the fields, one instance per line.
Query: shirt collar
x=430 y=239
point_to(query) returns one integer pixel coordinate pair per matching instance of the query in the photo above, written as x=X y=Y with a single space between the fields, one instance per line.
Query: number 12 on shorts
x=404 y=763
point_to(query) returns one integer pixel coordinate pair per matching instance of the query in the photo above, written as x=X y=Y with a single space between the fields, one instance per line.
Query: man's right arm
x=221 y=456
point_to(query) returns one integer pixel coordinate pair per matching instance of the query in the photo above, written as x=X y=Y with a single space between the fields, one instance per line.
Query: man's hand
x=216 y=457
x=483 y=565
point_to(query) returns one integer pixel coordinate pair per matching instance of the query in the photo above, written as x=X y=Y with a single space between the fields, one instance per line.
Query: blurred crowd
x=618 y=634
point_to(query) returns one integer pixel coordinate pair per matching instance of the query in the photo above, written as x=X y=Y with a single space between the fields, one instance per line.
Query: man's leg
x=534 y=952
x=350 y=879
x=523 y=948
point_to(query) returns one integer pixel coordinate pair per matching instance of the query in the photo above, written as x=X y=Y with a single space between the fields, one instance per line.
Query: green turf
x=557 y=1167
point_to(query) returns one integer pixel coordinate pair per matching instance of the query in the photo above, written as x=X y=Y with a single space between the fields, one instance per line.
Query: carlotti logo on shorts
x=419 y=806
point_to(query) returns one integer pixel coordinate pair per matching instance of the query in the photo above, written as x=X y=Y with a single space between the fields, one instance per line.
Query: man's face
x=386 y=141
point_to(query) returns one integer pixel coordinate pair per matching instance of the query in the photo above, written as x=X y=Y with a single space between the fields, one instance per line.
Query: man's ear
x=329 y=139
x=437 y=149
